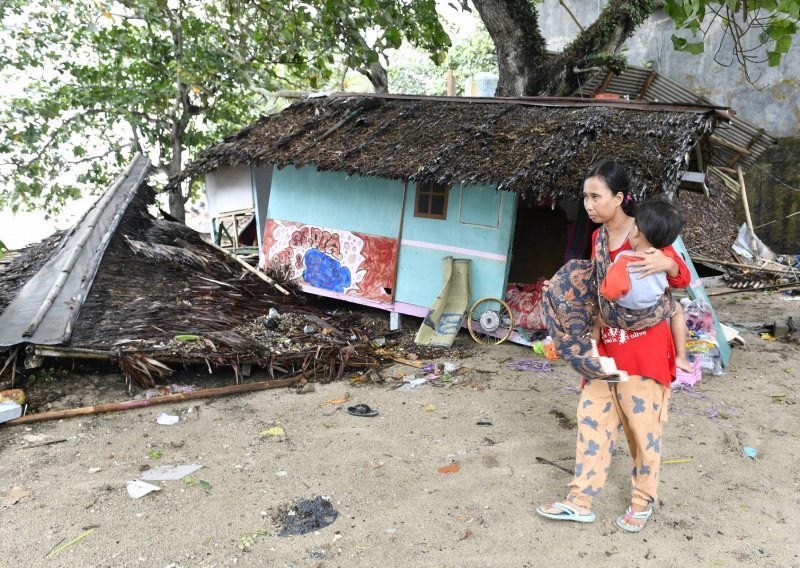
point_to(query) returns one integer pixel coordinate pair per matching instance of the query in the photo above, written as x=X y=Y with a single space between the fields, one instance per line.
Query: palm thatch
x=539 y=147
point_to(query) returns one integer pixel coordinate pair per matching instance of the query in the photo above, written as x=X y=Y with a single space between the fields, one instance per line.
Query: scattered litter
x=308 y=328
x=529 y=365
x=750 y=452
x=95 y=469
x=391 y=531
x=484 y=423
x=273 y=313
x=681 y=460
x=13 y=496
x=138 y=488
x=428 y=407
x=342 y=400
x=167 y=419
x=274 y=432
x=307 y=388
x=411 y=382
x=307 y=516
x=14 y=395
x=361 y=410
x=450 y=367
x=75 y=540
x=768 y=337
x=187 y=337
x=379 y=342
x=780 y=397
x=452 y=468
x=465 y=535
x=169 y=473
x=9 y=410
x=281 y=473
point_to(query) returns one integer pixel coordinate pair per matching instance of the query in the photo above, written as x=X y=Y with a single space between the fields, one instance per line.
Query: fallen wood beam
x=786 y=272
x=252 y=270
x=134 y=404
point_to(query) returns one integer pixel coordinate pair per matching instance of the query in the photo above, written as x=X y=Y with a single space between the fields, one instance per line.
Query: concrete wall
x=775 y=107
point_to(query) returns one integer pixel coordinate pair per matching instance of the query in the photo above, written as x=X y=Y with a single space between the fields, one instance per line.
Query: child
x=658 y=223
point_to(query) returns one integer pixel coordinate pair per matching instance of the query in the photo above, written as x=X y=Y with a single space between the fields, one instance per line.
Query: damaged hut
x=362 y=197
x=122 y=285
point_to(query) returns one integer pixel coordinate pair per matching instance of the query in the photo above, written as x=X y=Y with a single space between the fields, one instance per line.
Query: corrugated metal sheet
x=44 y=310
x=739 y=141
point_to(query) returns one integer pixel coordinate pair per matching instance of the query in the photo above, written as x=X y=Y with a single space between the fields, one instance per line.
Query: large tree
x=96 y=82
x=526 y=69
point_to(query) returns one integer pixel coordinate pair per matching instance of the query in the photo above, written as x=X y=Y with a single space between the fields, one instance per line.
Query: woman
x=638 y=405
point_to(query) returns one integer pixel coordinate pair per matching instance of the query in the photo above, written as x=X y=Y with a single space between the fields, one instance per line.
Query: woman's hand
x=653 y=261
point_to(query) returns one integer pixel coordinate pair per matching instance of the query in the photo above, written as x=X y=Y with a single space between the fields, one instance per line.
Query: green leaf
x=774 y=58
x=784 y=44
x=695 y=48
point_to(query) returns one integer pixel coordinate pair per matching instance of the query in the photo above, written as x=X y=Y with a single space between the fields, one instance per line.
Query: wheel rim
x=490 y=321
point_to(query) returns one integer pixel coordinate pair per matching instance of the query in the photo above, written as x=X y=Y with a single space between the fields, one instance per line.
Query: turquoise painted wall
x=478 y=218
x=332 y=199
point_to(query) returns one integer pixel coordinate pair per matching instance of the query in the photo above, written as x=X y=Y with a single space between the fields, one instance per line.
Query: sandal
x=629 y=515
x=361 y=410
x=567 y=513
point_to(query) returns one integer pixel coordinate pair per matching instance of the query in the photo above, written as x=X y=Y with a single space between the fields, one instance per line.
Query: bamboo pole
x=252 y=270
x=747 y=218
x=133 y=404
x=788 y=271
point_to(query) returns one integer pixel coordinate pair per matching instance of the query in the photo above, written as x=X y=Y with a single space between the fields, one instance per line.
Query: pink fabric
x=525 y=301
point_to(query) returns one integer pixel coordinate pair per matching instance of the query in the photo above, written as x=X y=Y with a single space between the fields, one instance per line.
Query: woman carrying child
x=637 y=405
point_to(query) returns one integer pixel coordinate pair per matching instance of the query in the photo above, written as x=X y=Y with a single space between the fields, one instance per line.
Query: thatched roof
x=150 y=284
x=533 y=146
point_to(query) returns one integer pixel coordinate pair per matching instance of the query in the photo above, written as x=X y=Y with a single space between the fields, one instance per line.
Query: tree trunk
x=378 y=77
x=176 y=204
x=514 y=27
x=525 y=69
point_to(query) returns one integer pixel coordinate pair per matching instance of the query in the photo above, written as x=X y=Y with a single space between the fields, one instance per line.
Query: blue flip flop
x=568 y=513
x=640 y=516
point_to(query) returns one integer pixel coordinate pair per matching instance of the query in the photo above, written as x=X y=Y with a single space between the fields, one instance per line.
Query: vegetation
x=96 y=82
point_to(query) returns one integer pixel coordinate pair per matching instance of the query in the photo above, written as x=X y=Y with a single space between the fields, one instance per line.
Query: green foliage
x=776 y=23
x=412 y=73
x=96 y=82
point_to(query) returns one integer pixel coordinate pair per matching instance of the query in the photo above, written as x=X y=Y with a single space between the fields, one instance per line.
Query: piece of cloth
x=637 y=406
x=680 y=280
x=572 y=302
x=629 y=290
x=646 y=352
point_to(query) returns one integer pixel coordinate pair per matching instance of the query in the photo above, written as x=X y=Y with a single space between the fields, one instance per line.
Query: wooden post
x=451 y=84
x=747 y=218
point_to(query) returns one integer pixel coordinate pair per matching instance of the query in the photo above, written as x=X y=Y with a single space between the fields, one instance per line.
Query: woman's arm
x=662 y=260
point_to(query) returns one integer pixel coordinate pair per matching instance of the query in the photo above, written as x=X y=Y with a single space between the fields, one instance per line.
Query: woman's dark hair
x=616 y=178
x=659 y=221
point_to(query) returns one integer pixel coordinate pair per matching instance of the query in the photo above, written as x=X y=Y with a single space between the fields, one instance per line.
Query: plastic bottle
x=550 y=349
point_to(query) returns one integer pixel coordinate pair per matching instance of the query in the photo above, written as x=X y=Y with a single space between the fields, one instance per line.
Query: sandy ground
x=716 y=506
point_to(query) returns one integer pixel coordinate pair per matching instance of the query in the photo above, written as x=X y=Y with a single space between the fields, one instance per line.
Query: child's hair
x=659 y=221
x=616 y=178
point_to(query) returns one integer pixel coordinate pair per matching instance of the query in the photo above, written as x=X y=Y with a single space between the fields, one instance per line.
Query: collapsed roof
x=533 y=146
x=123 y=285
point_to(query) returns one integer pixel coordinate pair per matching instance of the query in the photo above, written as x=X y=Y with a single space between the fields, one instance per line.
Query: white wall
x=229 y=189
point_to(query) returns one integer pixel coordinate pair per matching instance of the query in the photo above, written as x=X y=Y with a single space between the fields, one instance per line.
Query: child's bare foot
x=683 y=364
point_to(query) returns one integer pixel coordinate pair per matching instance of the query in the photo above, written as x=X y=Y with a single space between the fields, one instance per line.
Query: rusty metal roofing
x=734 y=142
